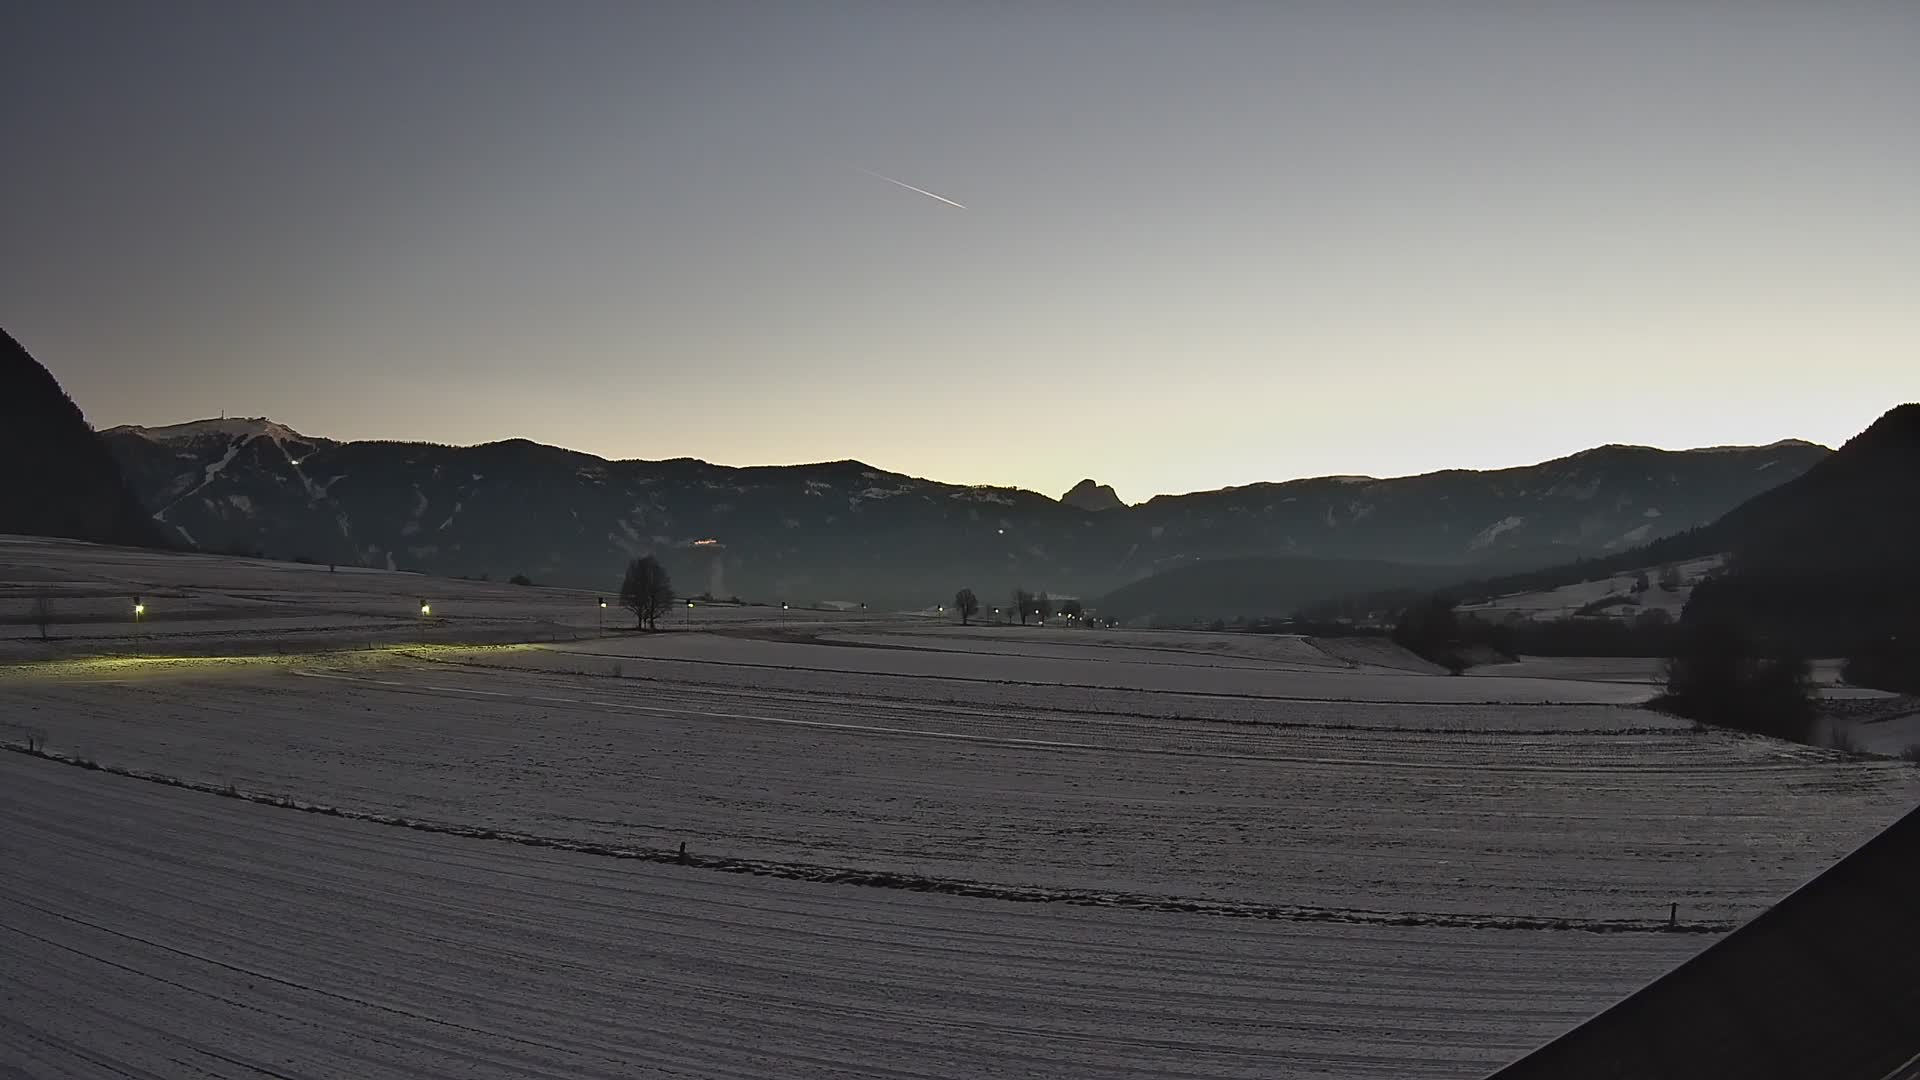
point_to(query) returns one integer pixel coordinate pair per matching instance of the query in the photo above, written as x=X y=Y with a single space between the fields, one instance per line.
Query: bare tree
x=647 y=591
x=43 y=615
x=1023 y=603
x=1043 y=607
x=1073 y=609
x=967 y=604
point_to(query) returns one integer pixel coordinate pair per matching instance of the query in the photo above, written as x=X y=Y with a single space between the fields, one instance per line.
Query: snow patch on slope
x=210 y=473
x=1485 y=537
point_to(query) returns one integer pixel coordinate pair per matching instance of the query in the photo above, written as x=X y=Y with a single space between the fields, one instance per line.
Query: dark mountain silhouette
x=1822 y=563
x=845 y=530
x=1093 y=497
x=1860 y=506
x=1830 y=562
x=1260 y=587
x=60 y=479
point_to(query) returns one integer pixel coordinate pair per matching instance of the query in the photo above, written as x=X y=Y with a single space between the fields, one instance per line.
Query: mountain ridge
x=847 y=528
x=1823 y=559
x=267 y=423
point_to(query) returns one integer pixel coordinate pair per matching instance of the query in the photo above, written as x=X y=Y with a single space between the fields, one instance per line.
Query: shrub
x=1911 y=753
x=1892 y=664
x=520 y=579
x=1432 y=631
x=1716 y=678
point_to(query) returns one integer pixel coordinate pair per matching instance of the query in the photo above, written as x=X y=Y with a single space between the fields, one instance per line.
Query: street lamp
x=426 y=609
x=600 y=627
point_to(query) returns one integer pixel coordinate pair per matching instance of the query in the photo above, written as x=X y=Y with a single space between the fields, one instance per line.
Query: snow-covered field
x=209 y=604
x=915 y=849
x=1350 y=809
x=148 y=931
x=1567 y=600
x=1061 y=663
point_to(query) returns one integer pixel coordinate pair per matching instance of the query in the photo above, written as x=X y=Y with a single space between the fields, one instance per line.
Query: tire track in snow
x=557 y=965
x=889 y=879
x=992 y=740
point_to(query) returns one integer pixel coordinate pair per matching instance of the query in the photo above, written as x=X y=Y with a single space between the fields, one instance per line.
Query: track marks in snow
x=881 y=879
x=1563 y=828
x=401 y=686
x=155 y=931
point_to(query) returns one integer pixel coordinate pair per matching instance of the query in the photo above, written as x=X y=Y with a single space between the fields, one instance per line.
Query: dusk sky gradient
x=1203 y=244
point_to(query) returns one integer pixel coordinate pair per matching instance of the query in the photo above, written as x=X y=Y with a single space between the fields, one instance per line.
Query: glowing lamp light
x=426 y=609
x=139 y=609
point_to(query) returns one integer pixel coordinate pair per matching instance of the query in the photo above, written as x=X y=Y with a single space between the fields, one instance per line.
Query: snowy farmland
x=912 y=849
x=1616 y=596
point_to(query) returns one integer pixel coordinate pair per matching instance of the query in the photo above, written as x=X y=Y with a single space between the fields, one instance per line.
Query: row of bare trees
x=1026 y=604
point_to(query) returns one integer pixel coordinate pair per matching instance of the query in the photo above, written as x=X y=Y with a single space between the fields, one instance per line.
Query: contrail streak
x=909 y=187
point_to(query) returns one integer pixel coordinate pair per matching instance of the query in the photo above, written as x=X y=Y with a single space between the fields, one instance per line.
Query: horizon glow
x=1201 y=247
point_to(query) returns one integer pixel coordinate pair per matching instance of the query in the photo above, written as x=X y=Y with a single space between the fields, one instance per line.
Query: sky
x=1202 y=243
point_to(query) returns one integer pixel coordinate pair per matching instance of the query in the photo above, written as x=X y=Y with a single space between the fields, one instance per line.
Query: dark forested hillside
x=57 y=477
x=1259 y=587
x=1825 y=563
x=1830 y=562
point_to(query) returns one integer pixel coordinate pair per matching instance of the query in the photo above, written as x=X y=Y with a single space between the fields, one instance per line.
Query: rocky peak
x=1088 y=495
